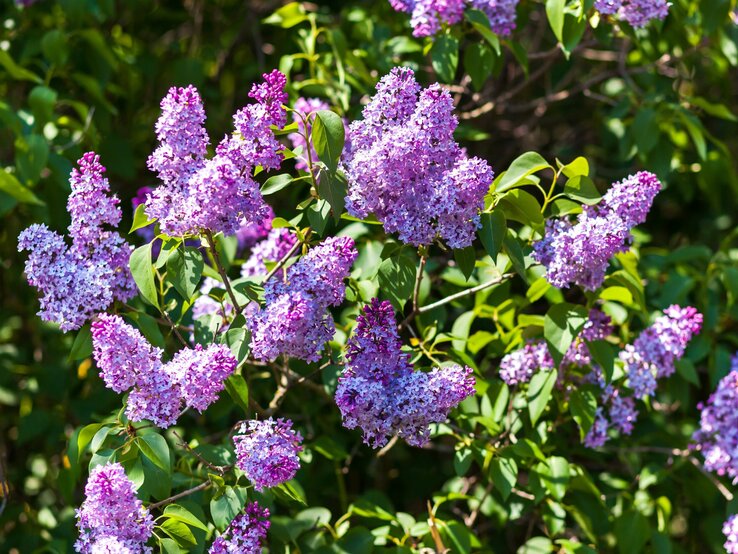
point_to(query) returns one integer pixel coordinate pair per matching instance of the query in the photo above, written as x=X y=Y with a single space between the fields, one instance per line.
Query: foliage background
x=77 y=75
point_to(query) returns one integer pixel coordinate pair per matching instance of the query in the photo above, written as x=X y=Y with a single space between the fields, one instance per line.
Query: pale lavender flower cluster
x=84 y=278
x=717 y=437
x=295 y=320
x=580 y=253
x=216 y=194
x=404 y=166
x=381 y=394
x=519 y=366
x=193 y=377
x=427 y=16
x=638 y=13
x=654 y=352
x=246 y=533
x=111 y=518
x=266 y=451
x=730 y=530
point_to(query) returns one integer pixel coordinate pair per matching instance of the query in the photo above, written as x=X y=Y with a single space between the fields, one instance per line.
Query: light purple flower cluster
x=245 y=534
x=636 y=12
x=84 y=278
x=216 y=194
x=193 y=377
x=252 y=232
x=717 y=437
x=381 y=394
x=111 y=518
x=654 y=352
x=404 y=166
x=520 y=365
x=295 y=320
x=427 y=16
x=730 y=530
x=621 y=415
x=580 y=253
x=266 y=451
x=272 y=249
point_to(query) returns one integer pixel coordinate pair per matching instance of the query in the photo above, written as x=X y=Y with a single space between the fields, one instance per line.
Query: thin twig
x=4 y=488
x=222 y=271
x=174 y=328
x=467 y=292
x=283 y=261
x=220 y=470
x=193 y=490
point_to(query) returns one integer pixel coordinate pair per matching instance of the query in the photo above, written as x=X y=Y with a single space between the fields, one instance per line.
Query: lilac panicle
x=201 y=373
x=501 y=14
x=272 y=249
x=266 y=451
x=637 y=13
x=80 y=279
x=597 y=434
x=252 y=232
x=246 y=533
x=428 y=16
x=111 y=509
x=295 y=320
x=580 y=253
x=520 y=365
x=730 y=530
x=381 y=394
x=404 y=166
x=113 y=545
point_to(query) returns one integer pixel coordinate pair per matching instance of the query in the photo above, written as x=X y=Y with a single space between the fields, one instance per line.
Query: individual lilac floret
x=519 y=366
x=730 y=530
x=580 y=253
x=638 y=13
x=654 y=352
x=201 y=373
x=246 y=533
x=597 y=435
x=305 y=106
x=266 y=451
x=404 y=166
x=717 y=437
x=111 y=509
x=272 y=249
x=381 y=394
x=80 y=279
x=252 y=232
x=217 y=194
x=501 y=14
x=295 y=320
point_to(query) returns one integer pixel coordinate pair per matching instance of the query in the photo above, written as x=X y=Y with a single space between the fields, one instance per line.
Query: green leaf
x=175 y=511
x=140 y=219
x=465 y=258
x=504 y=474
x=445 y=57
x=396 y=277
x=515 y=252
x=563 y=324
x=583 y=405
x=493 y=232
x=42 y=101
x=463 y=459
x=225 y=507
x=86 y=435
x=537 y=545
x=318 y=214
x=480 y=22
x=276 y=183
x=155 y=448
x=179 y=532
x=238 y=389
x=579 y=167
x=479 y=61
x=54 y=45
x=82 y=346
x=328 y=137
x=333 y=188
x=632 y=532
x=522 y=206
x=583 y=189
x=288 y=16
x=522 y=167
x=31 y=156
x=15 y=71
x=603 y=354
x=143 y=273
x=555 y=14
x=539 y=393
x=184 y=270
x=290 y=492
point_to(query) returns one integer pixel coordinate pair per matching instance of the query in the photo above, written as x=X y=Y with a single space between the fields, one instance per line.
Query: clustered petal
x=730 y=530
x=111 y=518
x=84 y=278
x=193 y=377
x=252 y=232
x=216 y=194
x=266 y=451
x=638 y=13
x=246 y=533
x=404 y=166
x=272 y=249
x=427 y=16
x=520 y=365
x=295 y=320
x=381 y=394
x=580 y=253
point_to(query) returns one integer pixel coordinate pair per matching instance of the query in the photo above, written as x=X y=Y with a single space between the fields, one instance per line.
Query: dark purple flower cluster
x=717 y=437
x=580 y=253
x=266 y=451
x=216 y=194
x=636 y=12
x=295 y=320
x=730 y=530
x=111 y=518
x=193 y=377
x=246 y=533
x=404 y=166
x=427 y=16
x=381 y=394
x=84 y=278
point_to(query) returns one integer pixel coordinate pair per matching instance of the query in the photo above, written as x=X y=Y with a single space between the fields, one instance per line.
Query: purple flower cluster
x=111 y=518
x=381 y=394
x=717 y=437
x=404 y=166
x=245 y=534
x=252 y=232
x=654 y=352
x=580 y=253
x=84 y=278
x=730 y=530
x=597 y=327
x=295 y=320
x=266 y=451
x=216 y=194
x=638 y=13
x=427 y=16
x=193 y=377
x=519 y=366
x=272 y=249
x=622 y=414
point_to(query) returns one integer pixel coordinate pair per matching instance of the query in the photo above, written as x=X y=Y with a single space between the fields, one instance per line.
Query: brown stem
x=283 y=261
x=220 y=470
x=222 y=271
x=193 y=490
